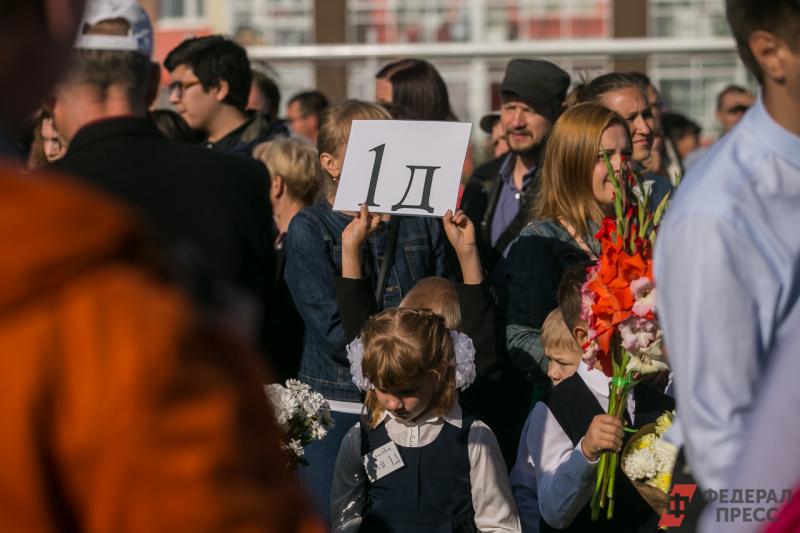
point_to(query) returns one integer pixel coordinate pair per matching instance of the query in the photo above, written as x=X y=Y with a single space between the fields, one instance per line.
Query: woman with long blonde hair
x=575 y=194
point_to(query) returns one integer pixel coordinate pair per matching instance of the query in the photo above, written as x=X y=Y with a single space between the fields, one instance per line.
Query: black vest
x=574 y=406
x=431 y=493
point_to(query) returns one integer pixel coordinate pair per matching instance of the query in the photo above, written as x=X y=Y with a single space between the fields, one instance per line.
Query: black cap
x=535 y=81
x=489 y=120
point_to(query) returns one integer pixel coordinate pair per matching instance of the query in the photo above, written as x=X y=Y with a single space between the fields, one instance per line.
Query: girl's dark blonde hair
x=334 y=127
x=400 y=346
x=569 y=159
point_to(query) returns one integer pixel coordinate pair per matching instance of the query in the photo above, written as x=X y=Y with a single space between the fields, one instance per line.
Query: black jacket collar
x=101 y=130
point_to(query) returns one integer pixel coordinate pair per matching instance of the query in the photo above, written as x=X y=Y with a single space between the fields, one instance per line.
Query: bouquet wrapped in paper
x=625 y=339
x=302 y=414
x=648 y=461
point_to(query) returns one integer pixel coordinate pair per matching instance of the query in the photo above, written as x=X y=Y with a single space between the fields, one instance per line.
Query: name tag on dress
x=382 y=462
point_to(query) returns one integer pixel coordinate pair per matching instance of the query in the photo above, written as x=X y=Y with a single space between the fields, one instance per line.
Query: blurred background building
x=338 y=45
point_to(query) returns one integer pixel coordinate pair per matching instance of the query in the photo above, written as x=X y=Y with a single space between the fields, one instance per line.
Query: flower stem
x=610 y=512
x=612 y=478
x=598 y=487
x=604 y=486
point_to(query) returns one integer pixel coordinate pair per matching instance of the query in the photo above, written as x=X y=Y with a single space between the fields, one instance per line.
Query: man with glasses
x=210 y=87
x=209 y=209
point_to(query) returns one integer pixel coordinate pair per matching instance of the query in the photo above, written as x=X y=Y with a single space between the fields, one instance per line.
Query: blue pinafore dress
x=431 y=493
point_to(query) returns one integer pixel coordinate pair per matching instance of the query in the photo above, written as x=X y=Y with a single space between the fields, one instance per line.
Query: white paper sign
x=405 y=167
x=382 y=461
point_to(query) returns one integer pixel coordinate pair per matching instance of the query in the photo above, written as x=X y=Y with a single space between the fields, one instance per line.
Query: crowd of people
x=162 y=265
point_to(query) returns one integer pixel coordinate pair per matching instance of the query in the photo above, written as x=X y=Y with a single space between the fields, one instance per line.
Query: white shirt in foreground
x=494 y=506
x=726 y=267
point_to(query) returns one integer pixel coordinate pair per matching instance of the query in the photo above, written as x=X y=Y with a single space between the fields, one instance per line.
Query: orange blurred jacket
x=119 y=411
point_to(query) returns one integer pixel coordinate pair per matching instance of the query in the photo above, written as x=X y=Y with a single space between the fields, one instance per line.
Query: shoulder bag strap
x=577 y=238
x=388 y=259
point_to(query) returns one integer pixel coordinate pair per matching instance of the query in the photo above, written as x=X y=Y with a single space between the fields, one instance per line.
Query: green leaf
x=617 y=195
x=678 y=177
x=662 y=206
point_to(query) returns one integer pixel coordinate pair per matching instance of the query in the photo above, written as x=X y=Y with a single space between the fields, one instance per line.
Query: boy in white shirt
x=566 y=434
x=564 y=354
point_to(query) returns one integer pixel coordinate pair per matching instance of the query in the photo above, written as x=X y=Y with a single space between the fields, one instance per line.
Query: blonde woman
x=576 y=193
x=313 y=259
x=296 y=178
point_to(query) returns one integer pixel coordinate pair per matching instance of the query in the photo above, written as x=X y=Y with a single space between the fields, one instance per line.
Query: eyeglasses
x=180 y=87
x=737 y=109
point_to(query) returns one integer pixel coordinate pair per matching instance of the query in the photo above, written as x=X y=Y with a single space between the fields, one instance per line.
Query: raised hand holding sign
x=404 y=167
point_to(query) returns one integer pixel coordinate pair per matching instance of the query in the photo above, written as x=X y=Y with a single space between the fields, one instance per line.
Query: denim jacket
x=535 y=262
x=314 y=256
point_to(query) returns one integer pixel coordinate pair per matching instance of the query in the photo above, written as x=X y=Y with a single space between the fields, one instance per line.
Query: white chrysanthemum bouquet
x=648 y=460
x=303 y=415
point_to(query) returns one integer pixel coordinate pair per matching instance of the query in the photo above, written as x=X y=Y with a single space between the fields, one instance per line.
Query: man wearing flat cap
x=500 y=192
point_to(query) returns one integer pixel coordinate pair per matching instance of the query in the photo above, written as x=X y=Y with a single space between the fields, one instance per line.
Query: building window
x=547 y=19
x=173 y=9
x=181 y=10
x=274 y=22
x=395 y=21
x=409 y=21
x=687 y=18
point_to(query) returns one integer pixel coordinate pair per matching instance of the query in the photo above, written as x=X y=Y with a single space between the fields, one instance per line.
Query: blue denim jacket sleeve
x=532 y=277
x=309 y=276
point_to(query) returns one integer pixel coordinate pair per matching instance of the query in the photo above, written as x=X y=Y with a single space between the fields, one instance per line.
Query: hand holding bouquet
x=303 y=415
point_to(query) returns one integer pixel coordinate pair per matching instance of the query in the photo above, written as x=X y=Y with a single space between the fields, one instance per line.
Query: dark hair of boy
x=213 y=59
x=269 y=90
x=569 y=293
x=310 y=102
x=779 y=17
